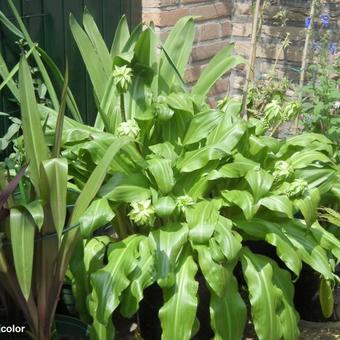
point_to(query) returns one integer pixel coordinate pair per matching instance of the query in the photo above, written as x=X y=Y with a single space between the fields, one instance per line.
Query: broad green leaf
x=94 y=65
x=308 y=206
x=326 y=298
x=273 y=234
x=304 y=158
x=201 y=125
x=165 y=150
x=141 y=278
x=227 y=135
x=216 y=275
x=281 y=204
x=326 y=239
x=121 y=37
x=54 y=190
x=22 y=231
x=202 y=219
x=228 y=313
x=242 y=199
x=97 y=41
x=96 y=215
x=162 y=172
x=265 y=297
x=260 y=182
x=166 y=243
x=194 y=160
x=177 y=315
x=228 y=239
x=35 y=147
x=164 y=206
x=310 y=250
x=109 y=282
x=288 y=316
x=238 y=168
x=98 y=331
x=220 y=64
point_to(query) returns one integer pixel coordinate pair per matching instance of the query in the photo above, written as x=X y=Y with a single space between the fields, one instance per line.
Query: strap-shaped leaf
x=179 y=47
x=202 y=220
x=166 y=243
x=54 y=190
x=96 y=215
x=36 y=211
x=109 y=282
x=220 y=64
x=121 y=37
x=180 y=301
x=141 y=278
x=302 y=159
x=94 y=65
x=97 y=41
x=161 y=170
x=274 y=235
x=228 y=313
x=326 y=298
x=35 y=146
x=22 y=230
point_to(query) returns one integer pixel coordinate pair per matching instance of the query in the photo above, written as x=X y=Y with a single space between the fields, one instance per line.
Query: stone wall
x=224 y=21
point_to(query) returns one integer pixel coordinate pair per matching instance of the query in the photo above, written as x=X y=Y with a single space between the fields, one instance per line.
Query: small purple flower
x=308 y=22
x=324 y=20
x=332 y=48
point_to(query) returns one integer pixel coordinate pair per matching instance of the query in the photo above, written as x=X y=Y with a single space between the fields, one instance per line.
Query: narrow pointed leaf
x=22 y=230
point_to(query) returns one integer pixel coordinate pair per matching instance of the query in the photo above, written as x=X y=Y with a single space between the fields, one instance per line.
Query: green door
x=47 y=22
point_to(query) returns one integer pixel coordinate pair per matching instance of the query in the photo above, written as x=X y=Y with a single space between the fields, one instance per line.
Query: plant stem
x=305 y=58
x=252 y=58
x=122 y=107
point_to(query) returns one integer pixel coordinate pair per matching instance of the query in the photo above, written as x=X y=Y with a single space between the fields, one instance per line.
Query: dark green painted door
x=47 y=22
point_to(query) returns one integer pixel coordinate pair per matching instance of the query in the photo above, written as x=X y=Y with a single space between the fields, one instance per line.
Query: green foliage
x=183 y=186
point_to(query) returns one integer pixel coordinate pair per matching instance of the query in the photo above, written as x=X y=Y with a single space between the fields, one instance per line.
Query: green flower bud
x=142 y=213
x=297 y=188
x=122 y=78
x=129 y=128
x=184 y=201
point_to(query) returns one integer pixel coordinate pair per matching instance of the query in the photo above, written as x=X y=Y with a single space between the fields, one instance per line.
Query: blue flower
x=332 y=48
x=308 y=22
x=324 y=20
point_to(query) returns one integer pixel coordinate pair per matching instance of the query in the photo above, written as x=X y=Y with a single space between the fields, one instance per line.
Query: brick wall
x=223 y=21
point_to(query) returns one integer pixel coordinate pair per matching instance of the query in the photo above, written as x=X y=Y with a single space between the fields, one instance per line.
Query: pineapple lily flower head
x=142 y=213
x=282 y=171
x=129 y=128
x=297 y=188
x=122 y=77
x=184 y=201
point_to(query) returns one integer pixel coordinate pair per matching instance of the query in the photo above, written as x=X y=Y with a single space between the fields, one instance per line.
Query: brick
x=242 y=9
x=226 y=29
x=212 y=11
x=221 y=87
x=165 y=18
x=207 y=51
x=209 y=31
x=192 y=73
x=192 y=1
